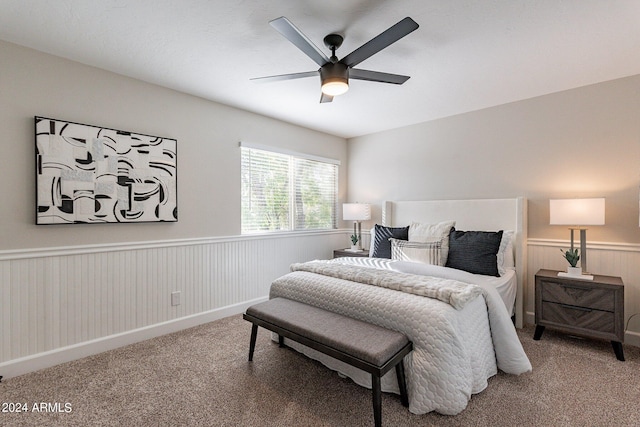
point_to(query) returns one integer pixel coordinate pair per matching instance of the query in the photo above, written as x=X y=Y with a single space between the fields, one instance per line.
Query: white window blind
x=286 y=192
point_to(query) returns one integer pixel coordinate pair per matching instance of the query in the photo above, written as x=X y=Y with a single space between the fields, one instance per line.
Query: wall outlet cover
x=175 y=298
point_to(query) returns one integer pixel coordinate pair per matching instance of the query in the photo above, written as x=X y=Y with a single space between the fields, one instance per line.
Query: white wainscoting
x=63 y=303
x=611 y=259
x=60 y=304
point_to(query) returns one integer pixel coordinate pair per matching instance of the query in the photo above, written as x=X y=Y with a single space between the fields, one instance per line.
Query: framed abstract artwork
x=88 y=174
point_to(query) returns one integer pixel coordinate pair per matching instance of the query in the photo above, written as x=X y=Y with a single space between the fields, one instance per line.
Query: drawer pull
x=573 y=307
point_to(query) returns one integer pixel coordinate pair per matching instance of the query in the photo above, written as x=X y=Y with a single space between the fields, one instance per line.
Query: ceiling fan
x=334 y=74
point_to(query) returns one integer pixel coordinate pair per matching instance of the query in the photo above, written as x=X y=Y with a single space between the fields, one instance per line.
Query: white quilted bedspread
x=454 y=350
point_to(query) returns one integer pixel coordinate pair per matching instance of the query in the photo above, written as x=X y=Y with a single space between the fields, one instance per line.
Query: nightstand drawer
x=578 y=317
x=585 y=296
x=593 y=309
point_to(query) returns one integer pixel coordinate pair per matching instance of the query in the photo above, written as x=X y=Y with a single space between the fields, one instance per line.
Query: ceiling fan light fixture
x=335 y=79
x=335 y=87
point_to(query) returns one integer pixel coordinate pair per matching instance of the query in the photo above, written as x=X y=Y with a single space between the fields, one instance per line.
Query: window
x=285 y=191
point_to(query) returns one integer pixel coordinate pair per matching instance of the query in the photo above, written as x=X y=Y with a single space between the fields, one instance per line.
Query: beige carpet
x=201 y=377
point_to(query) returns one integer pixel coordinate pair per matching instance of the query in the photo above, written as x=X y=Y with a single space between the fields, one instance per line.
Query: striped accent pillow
x=424 y=252
x=423 y=232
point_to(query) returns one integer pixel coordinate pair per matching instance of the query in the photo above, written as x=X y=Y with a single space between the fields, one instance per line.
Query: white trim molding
x=14 y=254
x=608 y=246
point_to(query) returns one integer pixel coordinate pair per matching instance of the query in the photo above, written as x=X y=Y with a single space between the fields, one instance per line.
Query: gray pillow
x=474 y=251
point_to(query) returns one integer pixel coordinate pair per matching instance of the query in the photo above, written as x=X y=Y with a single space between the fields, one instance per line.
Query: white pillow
x=426 y=253
x=505 y=253
x=422 y=232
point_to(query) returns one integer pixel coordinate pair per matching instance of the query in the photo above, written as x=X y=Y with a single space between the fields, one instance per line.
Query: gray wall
x=33 y=83
x=578 y=143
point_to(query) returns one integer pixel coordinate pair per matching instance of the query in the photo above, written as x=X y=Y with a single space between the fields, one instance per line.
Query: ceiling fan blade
x=376 y=76
x=302 y=42
x=381 y=41
x=325 y=98
x=280 y=77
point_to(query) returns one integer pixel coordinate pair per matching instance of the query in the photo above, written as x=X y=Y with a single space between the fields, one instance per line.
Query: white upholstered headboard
x=478 y=214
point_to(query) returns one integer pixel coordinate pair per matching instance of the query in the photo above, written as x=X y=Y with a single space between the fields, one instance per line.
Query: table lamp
x=356 y=212
x=577 y=213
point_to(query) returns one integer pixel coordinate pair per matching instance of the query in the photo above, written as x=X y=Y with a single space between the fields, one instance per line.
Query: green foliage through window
x=282 y=192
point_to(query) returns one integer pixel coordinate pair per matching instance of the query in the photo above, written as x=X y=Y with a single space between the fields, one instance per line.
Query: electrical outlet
x=175 y=298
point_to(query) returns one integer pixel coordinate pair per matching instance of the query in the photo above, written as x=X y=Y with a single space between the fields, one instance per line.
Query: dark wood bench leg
x=281 y=341
x=618 y=350
x=402 y=384
x=377 y=400
x=252 y=343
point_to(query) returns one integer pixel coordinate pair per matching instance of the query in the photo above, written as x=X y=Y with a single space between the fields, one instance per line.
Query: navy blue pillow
x=474 y=251
x=382 y=245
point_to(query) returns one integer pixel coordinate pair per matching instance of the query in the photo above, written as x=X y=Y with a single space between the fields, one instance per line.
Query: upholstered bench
x=369 y=347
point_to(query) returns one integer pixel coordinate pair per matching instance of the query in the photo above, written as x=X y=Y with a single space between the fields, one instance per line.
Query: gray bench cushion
x=370 y=343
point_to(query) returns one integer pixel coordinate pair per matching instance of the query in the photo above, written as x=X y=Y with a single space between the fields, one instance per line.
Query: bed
x=459 y=321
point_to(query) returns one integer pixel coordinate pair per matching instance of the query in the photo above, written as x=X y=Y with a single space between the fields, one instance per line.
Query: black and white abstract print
x=88 y=174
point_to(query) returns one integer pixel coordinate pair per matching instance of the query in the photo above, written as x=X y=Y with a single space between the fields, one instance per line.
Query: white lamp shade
x=356 y=211
x=576 y=211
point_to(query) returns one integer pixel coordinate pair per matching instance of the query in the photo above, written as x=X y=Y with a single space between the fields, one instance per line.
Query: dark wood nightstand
x=339 y=253
x=589 y=308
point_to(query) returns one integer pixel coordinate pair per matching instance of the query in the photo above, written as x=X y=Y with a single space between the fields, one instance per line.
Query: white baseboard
x=529 y=318
x=632 y=338
x=16 y=367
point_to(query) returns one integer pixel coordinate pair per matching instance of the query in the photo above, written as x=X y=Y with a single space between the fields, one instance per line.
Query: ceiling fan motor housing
x=334 y=78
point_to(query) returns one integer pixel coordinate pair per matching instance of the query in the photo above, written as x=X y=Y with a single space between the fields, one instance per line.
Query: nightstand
x=588 y=308
x=339 y=253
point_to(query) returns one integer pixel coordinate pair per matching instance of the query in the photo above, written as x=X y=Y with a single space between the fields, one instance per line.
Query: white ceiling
x=466 y=55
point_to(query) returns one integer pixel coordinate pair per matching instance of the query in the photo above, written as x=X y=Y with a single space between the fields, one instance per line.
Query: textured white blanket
x=453 y=292
x=455 y=351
